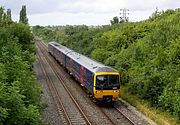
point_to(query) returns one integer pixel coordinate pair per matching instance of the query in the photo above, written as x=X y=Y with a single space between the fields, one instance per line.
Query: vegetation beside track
x=19 y=91
x=155 y=114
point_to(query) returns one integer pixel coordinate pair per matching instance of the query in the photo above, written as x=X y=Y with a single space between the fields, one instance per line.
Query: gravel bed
x=115 y=116
x=69 y=105
x=49 y=114
x=133 y=114
x=60 y=94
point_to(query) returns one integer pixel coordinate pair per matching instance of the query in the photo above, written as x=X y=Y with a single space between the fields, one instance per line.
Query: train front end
x=107 y=86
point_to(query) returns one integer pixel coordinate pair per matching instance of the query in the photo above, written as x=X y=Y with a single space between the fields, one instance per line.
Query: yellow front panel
x=98 y=94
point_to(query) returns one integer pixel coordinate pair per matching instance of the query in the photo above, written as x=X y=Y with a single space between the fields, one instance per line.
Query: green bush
x=19 y=92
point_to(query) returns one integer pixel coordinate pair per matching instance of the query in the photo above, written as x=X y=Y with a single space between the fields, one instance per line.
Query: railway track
x=108 y=117
x=66 y=104
x=130 y=121
x=116 y=116
x=61 y=77
x=133 y=118
x=52 y=90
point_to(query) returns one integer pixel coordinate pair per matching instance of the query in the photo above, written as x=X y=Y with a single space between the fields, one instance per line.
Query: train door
x=64 y=60
x=67 y=63
x=70 y=66
x=55 y=53
x=61 y=57
x=53 y=49
x=82 y=76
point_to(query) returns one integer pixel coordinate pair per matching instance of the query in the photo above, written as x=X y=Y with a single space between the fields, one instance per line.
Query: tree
x=1 y=13
x=115 y=20
x=19 y=92
x=23 y=18
x=9 y=15
x=4 y=18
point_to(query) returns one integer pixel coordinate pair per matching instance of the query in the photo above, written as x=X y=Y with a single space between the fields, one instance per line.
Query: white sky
x=89 y=12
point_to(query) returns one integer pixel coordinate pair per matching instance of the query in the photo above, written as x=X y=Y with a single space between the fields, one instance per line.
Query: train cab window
x=107 y=82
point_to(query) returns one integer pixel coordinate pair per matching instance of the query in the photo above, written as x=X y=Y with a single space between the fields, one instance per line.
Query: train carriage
x=59 y=52
x=101 y=81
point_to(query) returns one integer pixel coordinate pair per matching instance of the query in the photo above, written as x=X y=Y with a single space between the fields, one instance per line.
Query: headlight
x=99 y=91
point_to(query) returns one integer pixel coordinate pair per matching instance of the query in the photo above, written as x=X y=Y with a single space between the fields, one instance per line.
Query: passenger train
x=100 y=81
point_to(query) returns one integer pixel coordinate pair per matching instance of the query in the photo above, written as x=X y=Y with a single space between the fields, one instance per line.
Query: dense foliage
x=19 y=92
x=147 y=54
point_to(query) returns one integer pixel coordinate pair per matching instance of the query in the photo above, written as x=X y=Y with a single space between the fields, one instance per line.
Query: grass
x=158 y=116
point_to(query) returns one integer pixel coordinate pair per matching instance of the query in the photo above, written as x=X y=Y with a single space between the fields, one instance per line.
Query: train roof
x=87 y=62
x=60 y=47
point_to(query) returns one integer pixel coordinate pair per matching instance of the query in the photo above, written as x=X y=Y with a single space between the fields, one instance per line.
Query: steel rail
x=52 y=89
x=131 y=121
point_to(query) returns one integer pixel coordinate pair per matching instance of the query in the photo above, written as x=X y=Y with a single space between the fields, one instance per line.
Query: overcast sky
x=89 y=12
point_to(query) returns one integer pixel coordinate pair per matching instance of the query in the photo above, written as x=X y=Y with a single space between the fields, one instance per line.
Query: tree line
x=19 y=91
